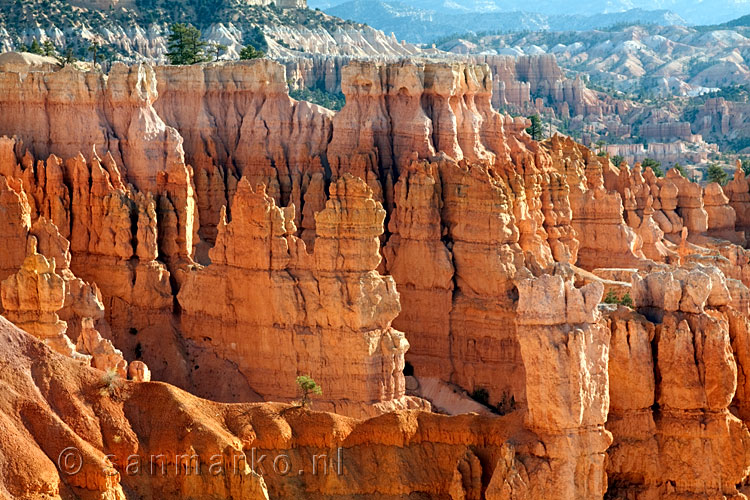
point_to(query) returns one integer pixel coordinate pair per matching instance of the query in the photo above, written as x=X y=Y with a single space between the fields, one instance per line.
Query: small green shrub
x=717 y=174
x=249 y=52
x=612 y=298
x=308 y=387
x=110 y=381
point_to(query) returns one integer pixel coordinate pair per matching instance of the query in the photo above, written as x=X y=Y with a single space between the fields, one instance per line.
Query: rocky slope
x=137 y=31
x=70 y=435
x=658 y=60
x=200 y=220
x=429 y=23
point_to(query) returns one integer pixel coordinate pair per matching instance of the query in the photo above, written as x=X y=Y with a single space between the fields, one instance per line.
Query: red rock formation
x=33 y=296
x=66 y=112
x=239 y=120
x=721 y=215
x=31 y=299
x=490 y=211
x=738 y=192
x=482 y=223
x=396 y=110
x=329 y=311
x=52 y=408
x=597 y=213
x=422 y=266
x=562 y=338
x=15 y=223
x=116 y=430
x=672 y=381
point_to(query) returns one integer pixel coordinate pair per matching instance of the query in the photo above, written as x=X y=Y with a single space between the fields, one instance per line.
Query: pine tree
x=746 y=166
x=249 y=52
x=68 y=58
x=185 y=45
x=49 y=48
x=217 y=49
x=535 y=130
x=716 y=174
x=308 y=387
x=654 y=165
x=681 y=170
x=94 y=49
x=36 y=48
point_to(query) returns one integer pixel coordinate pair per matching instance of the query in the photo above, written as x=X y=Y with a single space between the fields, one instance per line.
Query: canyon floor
x=489 y=316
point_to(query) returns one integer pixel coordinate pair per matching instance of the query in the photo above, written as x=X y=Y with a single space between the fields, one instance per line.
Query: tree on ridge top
x=185 y=45
x=716 y=174
x=249 y=52
x=535 y=130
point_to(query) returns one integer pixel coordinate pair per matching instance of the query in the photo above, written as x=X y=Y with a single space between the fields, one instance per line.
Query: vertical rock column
x=738 y=192
x=673 y=376
x=422 y=266
x=347 y=252
x=275 y=308
x=565 y=349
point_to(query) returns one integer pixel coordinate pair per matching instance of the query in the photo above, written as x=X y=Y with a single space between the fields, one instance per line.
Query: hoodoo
x=484 y=315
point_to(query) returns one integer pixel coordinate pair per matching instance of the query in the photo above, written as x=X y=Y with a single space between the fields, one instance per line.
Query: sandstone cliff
x=238 y=120
x=672 y=372
x=325 y=313
x=415 y=230
x=115 y=443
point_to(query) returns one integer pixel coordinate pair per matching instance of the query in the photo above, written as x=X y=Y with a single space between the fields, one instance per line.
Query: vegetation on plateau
x=716 y=174
x=612 y=298
x=321 y=97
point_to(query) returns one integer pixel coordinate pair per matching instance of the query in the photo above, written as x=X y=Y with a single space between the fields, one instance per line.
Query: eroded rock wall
x=212 y=450
x=417 y=225
x=673 y=376
x=327 y=313
x=565 y=349
x=238 y=120
x=68 y=112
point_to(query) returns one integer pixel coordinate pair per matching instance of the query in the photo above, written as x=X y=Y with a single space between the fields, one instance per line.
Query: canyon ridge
x=484 y=315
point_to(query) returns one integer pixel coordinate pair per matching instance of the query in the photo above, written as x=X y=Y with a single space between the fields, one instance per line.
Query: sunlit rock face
x=197 y=226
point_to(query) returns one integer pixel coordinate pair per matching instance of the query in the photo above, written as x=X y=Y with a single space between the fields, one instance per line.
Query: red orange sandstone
x=417 y=225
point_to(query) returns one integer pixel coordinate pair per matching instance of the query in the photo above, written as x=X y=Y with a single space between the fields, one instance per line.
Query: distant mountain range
x=410 y=22
x=743 y=21
x=504 y=15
